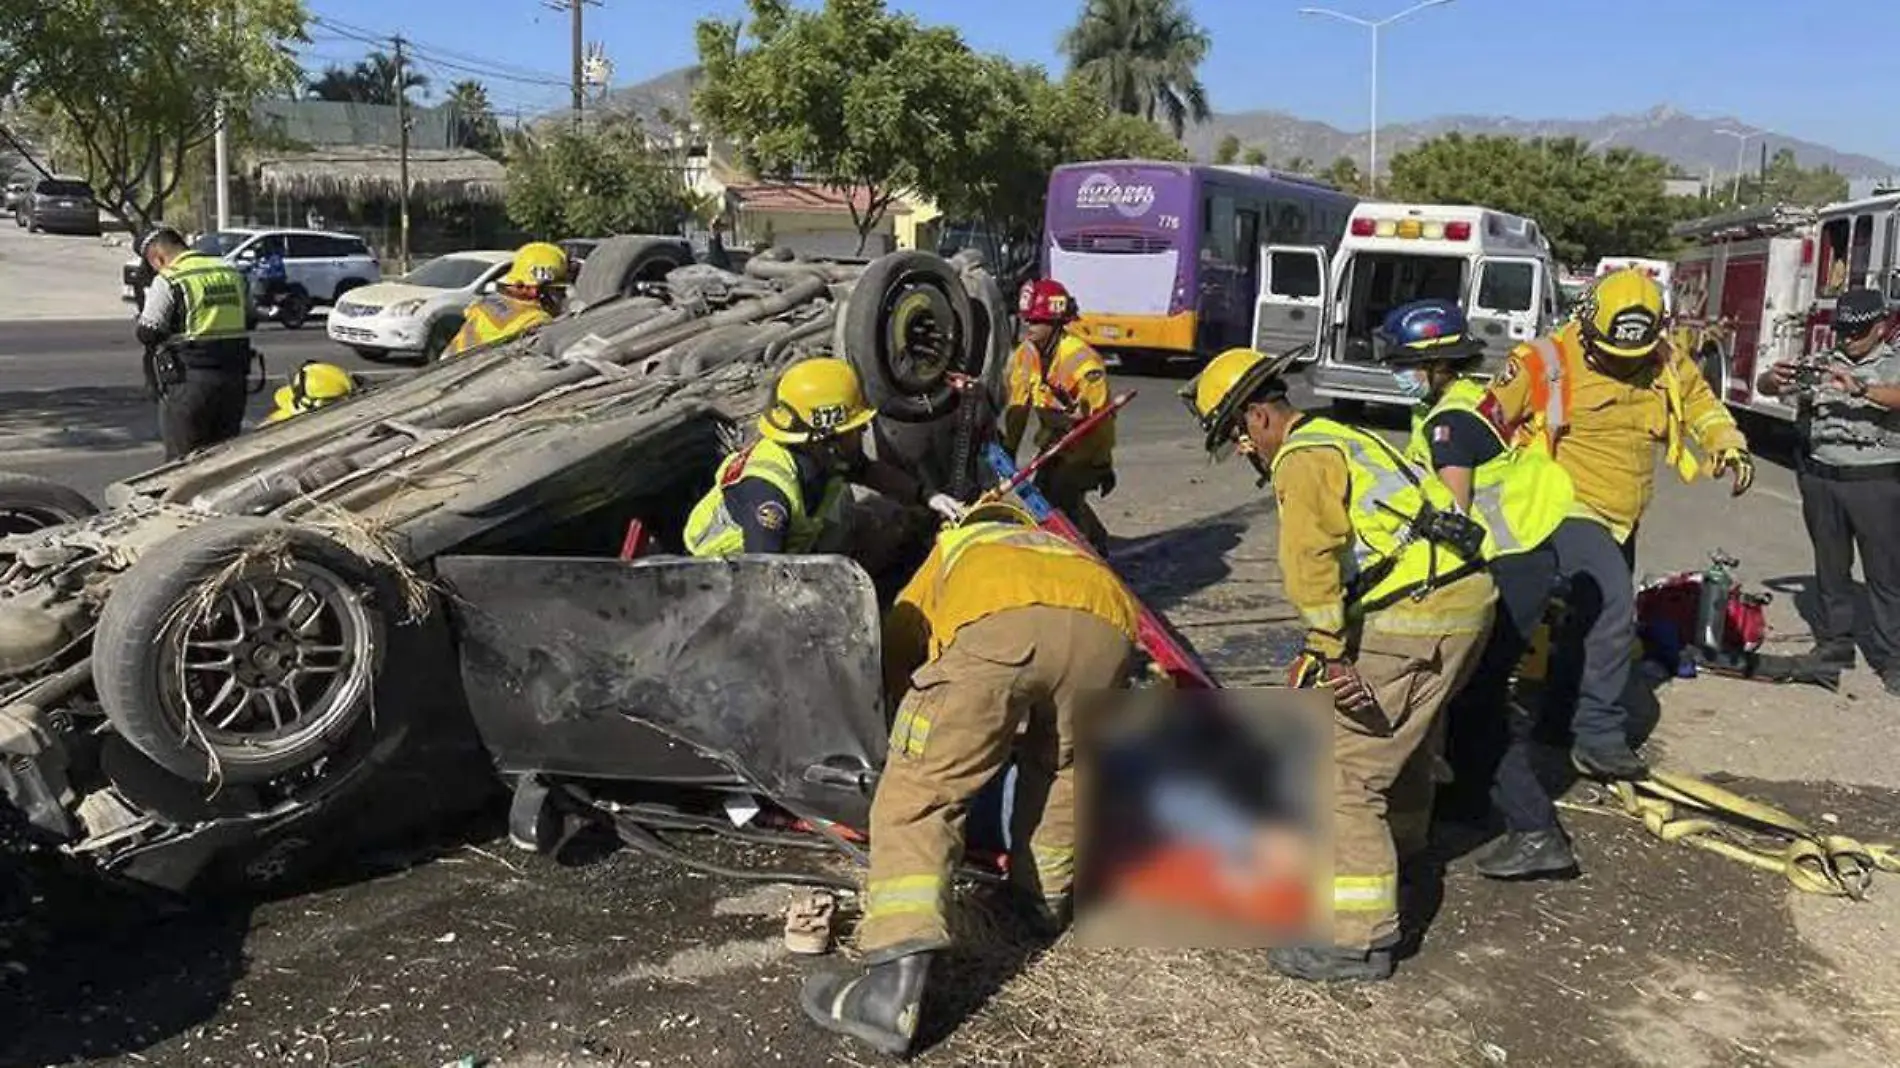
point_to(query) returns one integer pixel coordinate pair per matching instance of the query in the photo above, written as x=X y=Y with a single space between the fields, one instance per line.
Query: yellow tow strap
x=1682 y=808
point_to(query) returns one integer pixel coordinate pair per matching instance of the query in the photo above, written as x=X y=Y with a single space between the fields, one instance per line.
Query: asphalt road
x=72 y=396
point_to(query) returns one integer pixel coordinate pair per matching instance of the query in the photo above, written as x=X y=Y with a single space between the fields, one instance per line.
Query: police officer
x=787 y=492
x=1390 y=582
x=194 y=315
x=1598 y=396
x=1849 y=474
x=1058 y=378
x=994 y=647
x=1522 y=496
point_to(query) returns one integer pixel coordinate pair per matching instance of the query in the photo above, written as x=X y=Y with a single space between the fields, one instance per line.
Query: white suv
x=324 y=265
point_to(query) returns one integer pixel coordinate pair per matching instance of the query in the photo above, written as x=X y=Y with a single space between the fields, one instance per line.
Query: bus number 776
x=1168 y=222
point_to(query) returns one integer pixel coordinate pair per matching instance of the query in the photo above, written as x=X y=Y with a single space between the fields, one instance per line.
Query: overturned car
x=243 y=659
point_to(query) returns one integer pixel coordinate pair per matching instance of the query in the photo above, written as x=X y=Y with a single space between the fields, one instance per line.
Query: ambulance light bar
x=1411 y=229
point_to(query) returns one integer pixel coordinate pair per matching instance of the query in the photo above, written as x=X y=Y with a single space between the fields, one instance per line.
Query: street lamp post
x=1372 y=154
x=1741 y=145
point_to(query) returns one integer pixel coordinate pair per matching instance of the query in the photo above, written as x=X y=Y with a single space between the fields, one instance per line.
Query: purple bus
x=1164 y=258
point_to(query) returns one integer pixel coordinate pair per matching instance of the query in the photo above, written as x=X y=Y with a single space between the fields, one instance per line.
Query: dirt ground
x=464 y=951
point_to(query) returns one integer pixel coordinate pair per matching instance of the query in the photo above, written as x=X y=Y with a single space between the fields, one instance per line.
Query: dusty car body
x=254 y=645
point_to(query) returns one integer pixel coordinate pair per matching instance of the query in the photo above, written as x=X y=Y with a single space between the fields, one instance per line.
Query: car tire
x=294 y=309
x=906 y=327
x=441 y=333
x=235 y=587
x=619 y=263
x=29 y=503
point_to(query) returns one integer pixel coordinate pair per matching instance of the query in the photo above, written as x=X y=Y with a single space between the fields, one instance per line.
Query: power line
x=444 y=57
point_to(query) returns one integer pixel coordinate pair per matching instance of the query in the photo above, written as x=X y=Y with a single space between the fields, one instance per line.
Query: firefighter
x=193 y=324
x=1521 y=496
x=1598 y=396
x=313 y=386
x=1848 y=469
x=530 y=294
x=1060 y=379
x=787 y=492
x=1389 y=579
x=996 y=644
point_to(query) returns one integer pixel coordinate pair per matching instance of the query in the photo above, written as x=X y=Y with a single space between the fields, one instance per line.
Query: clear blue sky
x=1757 y=60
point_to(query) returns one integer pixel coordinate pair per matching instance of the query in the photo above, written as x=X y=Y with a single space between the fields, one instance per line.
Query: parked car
x=63 y=204
x=419 y=313
x=16 y=191
x=319 y=264
x=212 y=677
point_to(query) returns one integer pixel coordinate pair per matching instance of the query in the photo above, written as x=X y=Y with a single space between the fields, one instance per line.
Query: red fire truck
x=1743 y=292
x=1759 y=285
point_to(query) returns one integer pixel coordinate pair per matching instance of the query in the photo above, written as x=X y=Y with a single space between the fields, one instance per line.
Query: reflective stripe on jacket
x=1521 y=495
x=712 y=531
x=495 y=318
x=213 y=296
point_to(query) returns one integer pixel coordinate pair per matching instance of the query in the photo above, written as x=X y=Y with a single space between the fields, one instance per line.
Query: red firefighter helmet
x=1046 y=301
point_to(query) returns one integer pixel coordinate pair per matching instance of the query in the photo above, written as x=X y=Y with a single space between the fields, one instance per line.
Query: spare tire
x=905 y=329
x=29 y=503
x=619 y=263
x=243 y=648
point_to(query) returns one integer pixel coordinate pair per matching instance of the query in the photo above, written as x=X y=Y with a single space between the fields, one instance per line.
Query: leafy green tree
x=1228 y=150
x=1590 y=204
x=1344 y=173
x=1790 y=183
x=475 y=124
x=853 y=96
x=131 y=87
x=1297 y=165
x=371 y=81
x=591 y=183
x=1255 y=156
x=1028 y=127
x=1143 y=57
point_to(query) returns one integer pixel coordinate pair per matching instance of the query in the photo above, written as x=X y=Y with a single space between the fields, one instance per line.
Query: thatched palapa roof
x=373 y=172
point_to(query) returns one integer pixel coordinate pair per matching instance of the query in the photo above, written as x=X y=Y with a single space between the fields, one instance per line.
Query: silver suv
x=323 y=264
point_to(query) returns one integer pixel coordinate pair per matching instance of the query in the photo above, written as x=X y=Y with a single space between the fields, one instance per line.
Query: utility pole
x=579 y=72
x=221 y=154
x=402 y=134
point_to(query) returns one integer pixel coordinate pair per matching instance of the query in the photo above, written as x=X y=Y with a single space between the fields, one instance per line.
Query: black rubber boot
x=1527 y=855
x=1048 y=917
x=1614 y=763
x=1837 y=652
x=1331 y=964
x=1892 y=681
x=879 y=1005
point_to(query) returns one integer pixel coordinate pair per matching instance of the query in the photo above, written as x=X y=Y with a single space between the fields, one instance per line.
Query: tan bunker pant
x=1383 y=780
x=1023 y=669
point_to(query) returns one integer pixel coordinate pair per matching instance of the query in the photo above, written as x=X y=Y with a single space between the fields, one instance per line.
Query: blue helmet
x=1427 y=330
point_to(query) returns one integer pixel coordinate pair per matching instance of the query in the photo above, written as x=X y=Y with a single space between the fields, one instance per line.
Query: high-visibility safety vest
x=712 y=531
x=977 y=571
x=214 y=295
x=496 y=317
x=1521 y=495
x=1387 y=561
x=1058 y=386
x=1551 y=386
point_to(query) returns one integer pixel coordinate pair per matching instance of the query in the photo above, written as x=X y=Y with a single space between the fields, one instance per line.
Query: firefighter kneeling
x=1389 y=578
x=1014 y=629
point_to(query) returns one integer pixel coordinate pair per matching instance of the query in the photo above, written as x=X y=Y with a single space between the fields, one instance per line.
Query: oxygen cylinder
x=1711 y=616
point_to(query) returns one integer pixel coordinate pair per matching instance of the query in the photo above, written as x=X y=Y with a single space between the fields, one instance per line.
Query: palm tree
x=475 y=125
x=1143 y=57
x=371 y=81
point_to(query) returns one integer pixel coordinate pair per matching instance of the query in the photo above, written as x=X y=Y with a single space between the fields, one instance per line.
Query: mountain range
x=1690 y=142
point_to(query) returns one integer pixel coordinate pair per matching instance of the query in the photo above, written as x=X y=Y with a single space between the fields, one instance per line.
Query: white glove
x=946 y=506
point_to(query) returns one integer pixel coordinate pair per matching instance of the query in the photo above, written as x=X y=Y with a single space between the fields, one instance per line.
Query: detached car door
x=1292 y=307
x=1503 y=305
x=757 y=674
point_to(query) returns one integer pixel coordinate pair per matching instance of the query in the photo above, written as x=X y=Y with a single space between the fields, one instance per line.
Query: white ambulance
x=1497 y=266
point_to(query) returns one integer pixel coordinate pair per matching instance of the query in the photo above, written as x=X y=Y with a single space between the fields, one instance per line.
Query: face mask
x=1413 y=384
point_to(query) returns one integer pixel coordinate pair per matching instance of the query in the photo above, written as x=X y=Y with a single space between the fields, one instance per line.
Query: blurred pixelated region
x=1201 y=816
